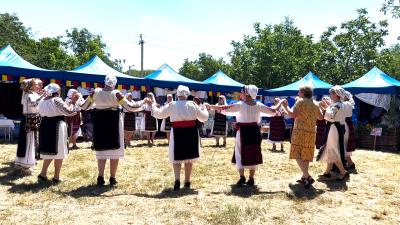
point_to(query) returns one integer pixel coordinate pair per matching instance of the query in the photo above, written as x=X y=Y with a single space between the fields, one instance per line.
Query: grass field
x=144 y=194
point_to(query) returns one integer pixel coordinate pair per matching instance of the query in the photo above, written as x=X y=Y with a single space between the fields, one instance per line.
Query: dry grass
x=144 y=194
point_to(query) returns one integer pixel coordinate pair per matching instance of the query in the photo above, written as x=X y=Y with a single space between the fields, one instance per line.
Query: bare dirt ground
x=144 y=194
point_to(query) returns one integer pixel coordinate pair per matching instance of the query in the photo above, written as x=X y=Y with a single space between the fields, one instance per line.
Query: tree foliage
x=202 y=68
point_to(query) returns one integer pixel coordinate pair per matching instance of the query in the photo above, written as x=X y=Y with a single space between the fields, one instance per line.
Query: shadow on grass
x=30 y=187
x=276 y=151
x=334 y=185
x=169 y=193
x=299 y=191
x=91 y=190
x=9 y=174
x=247 y=191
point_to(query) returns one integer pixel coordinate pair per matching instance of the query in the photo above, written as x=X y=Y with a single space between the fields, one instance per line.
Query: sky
x=174 y=30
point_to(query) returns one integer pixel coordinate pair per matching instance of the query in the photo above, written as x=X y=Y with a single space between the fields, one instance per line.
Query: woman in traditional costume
x=277 y=127
x=53 y=139
x=247 y=151
x=166 y=124
x=333 y=151
x=74 y=122
x=129 y=122
x=220 y=126
x=184 y=144
x=149 y=124
x=349 y=136
x=108 y=126
x=28 y=141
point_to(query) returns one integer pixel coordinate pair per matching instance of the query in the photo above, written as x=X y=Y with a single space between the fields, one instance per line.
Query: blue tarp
x=95 y=70
x=166 y=77
x=375 y=81
x=320 y=87
x=222 y=82
x=13 y=64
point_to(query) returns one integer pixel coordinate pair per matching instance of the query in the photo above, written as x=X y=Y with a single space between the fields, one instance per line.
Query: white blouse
x=108 y=99
x=30 y=102
x=52 y=107
x=348 y=109
x=335 y=113
x=181 y=110
x=249 y=113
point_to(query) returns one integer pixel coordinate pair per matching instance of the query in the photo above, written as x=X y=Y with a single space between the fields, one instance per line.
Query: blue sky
x=177 y=29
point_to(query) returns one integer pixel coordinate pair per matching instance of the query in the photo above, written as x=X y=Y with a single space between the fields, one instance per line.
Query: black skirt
x=106 y=130
x=150 y=123
x=129 y=121
x=186 y=143
x=48 y=138
x=250 y=144
x=277 y=129
x=220 y=124
x=167 y=124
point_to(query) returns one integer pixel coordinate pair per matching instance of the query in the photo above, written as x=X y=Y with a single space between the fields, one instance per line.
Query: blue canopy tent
x=374 y=81
x=95 y=70
x=222 y=82
x=166 y=77
x=14 y=65
x=319 y=87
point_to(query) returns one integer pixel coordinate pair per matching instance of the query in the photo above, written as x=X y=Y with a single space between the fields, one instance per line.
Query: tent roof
x=374 y=81
x=223 y=82
x=95 y=70
x=166 y=77
x=319 y=86
x=13 y=64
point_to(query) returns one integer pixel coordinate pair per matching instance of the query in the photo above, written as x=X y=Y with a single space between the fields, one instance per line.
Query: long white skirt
x=171 y=150
x=331 y=153
x=29 y=160
x=118 y=153
x=346 y=140
x=238 y=156
x=62 y=143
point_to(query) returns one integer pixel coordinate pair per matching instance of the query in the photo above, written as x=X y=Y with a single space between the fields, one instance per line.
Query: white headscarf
x=169 y=95
x=224 y=98
x=152 y=97
x=339 y=91
x=110 y=81
x=51 y=89
x=251 y=90
x=350 y=97
x=183 y=91
x=71 y=93
x=25 y=84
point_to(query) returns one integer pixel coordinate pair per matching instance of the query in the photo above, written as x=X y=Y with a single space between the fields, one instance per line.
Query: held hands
x=119 y=96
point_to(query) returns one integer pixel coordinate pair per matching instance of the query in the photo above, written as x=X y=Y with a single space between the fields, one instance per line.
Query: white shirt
x=30 y=102
x=55 y=107
x=108 y=99
x=181 y=110
x=348 y=109
x=249 y=113
x=335 y=113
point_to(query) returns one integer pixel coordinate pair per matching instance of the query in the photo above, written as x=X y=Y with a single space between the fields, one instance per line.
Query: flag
x=218 y=94
x=143 y=88
x=68 y=83
x=83 y=84
x=210 y=93
x=21 y=79
x=6 y=77
x=76 y=84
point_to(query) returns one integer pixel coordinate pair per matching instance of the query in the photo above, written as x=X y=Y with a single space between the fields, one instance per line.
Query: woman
x=73 y=122
x=349 y=137
x=28 y=141
x=166 y=123
x=129 y=122
x=53 y=139
x=184 y=144
x=333 y=150
x=247 y=151
x=220 y=126
x=305 y=113
x=108 y=126
x=149 y=124
x=321 y=124
x=277 y=127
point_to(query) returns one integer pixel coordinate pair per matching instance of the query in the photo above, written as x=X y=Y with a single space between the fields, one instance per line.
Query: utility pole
x=141 y=43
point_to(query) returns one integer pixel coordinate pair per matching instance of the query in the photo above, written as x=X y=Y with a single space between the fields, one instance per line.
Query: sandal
x=309 y=182
x=42 y=178
x=345 y=177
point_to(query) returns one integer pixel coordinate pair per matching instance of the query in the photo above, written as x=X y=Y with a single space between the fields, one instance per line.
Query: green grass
x=144 y=194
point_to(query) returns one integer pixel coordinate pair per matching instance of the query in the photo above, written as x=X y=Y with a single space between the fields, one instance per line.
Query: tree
x=275 y=56
x=389 y=6
x=389 y=61
x=203 y=67
x=86 y=45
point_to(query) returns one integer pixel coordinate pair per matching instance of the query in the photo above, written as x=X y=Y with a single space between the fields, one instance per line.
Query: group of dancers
x=44 y=129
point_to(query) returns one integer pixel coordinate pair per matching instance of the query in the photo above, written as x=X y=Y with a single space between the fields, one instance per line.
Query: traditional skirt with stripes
x=74 y=123
x=106 y=132
x=277 y=129
x=129 y=121
x=184 y=144
x=320 y=138
x=149 y=123
x=247 y=153
x=53 y=138
x=351 y=142
x=220 y=125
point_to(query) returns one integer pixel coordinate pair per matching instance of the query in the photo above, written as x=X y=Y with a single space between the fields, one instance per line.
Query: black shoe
x=326 y=175
x=56 y=181
x=335 y=169
x=309 y=182
x=100 y=181
x=250 y=182
x=351 y=168
x=241 y=181
x=187 y=185
x=113 y=181
x=42 y=178
x=345 y=177
x=177 y=185
x=301 y=180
